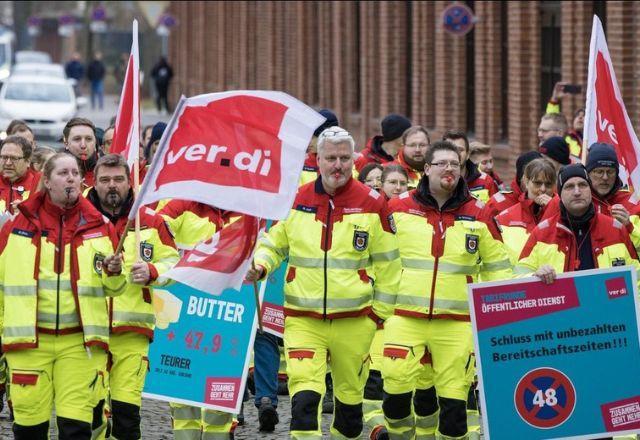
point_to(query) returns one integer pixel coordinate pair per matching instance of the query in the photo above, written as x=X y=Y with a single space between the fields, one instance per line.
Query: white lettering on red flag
x=606 y=118
x=242 y=151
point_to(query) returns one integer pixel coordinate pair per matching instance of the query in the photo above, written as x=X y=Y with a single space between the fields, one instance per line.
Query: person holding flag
x=131 y=315
x=338 y=237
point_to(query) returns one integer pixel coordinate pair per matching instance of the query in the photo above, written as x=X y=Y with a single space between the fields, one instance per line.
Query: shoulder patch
x=544 y=224
x=149 y=211
x=479 y=203
x=375 y=194
x=499 y=197
x=404 y=195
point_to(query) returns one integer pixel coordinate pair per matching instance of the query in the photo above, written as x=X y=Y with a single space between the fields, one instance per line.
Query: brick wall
x=367 y=59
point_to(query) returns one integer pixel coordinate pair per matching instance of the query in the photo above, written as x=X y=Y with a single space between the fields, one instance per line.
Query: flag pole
x=256 y=295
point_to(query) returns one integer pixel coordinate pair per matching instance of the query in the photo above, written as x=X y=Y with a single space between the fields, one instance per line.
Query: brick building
x=367 y=59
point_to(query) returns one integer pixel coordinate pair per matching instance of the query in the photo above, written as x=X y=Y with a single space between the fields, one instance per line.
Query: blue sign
x=458 y=19
x=559 y=360
x=201 y=348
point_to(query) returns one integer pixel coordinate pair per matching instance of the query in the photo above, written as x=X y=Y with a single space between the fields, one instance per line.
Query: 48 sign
x=545 y=398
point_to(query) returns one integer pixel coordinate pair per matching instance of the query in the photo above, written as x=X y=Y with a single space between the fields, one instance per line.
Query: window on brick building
x=550 y=50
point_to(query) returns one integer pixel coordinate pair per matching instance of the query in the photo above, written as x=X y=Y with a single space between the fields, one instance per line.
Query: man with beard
x=431 y=307
x=132 y=319
x=338 y=238
x=384 y=148
x=481 y=186
x=79 y=138
x=415 y=142
x=609 y=197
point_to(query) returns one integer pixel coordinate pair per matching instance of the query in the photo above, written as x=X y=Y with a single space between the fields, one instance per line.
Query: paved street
x=156 y=422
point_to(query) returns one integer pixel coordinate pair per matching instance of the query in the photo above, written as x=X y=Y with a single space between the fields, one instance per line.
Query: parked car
x=45 y=103
x=39 y=69
x=32 y=56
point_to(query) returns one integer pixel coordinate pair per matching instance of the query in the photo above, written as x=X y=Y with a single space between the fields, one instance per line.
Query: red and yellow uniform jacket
x=553 y=243
x=481 y=185
x=444 y=249
x=51 y=273
x=414 y=175
x=373 y=153
x=572 y=138
x=343 y=254
x=133 y=310
x=516 y=224
x=309 y=169
x=18 y=190
x=503 y=200
x=191 y=222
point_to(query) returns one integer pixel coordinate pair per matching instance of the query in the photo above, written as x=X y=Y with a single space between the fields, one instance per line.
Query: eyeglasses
x=600 y=172
x=13 y=159
x=417 y=145
x=444 y=164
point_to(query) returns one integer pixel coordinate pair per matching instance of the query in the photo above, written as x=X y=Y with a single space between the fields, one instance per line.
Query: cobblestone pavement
x=156 y=422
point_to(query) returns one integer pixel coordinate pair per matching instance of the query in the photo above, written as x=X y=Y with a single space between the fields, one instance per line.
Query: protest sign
x=201 y=346
x=272 y=292
x=559 y=360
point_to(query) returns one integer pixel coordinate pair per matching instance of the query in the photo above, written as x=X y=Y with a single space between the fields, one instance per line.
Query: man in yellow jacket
x=341 y=283
x=447 y=240
x=132 y=319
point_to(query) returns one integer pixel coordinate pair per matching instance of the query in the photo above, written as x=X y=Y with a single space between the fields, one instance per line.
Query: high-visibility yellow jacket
x=517 y=222
x=343 y=254
x=309 y=169
x=553 y=243
x=481 y=185
x=51 y=273
x=133 y=310
x=191 y=222
x=444 y=249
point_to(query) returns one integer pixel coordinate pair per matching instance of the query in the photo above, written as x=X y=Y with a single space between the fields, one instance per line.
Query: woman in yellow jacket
x=56 y=269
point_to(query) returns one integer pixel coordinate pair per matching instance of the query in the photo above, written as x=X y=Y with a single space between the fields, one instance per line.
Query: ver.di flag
x=241 y=151
x=222 y=261
x=126 y=134
x=606 y=118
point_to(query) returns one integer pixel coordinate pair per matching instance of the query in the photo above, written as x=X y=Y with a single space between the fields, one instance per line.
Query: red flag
x=222 y=261
x=241 y=151
x=126 y=135
x=606 y=118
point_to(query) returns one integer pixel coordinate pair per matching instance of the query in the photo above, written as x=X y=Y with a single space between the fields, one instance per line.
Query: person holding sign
x=339 y=238
x=132 y=318
x=447 y=240
x=578 y=237
x=56 y=268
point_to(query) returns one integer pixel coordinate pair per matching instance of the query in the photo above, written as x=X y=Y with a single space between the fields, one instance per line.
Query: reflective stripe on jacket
x=343 y=255
x=51 y=273
x=444 y=249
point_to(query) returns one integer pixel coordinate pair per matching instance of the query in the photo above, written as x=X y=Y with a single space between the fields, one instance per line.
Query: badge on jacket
x=98 y=259
x=360 y=240
x=146 y=251
x=618 y=262
x=471 y=243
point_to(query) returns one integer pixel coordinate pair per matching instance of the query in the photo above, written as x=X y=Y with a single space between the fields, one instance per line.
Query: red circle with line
x=545 y=398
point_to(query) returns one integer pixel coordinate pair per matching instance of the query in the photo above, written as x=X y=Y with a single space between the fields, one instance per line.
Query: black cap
x=573 y=170
x=523 y=160
x=331 y=121
x=394 y=126
x=156 y=134
x=557 y=149
x=602 y=155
